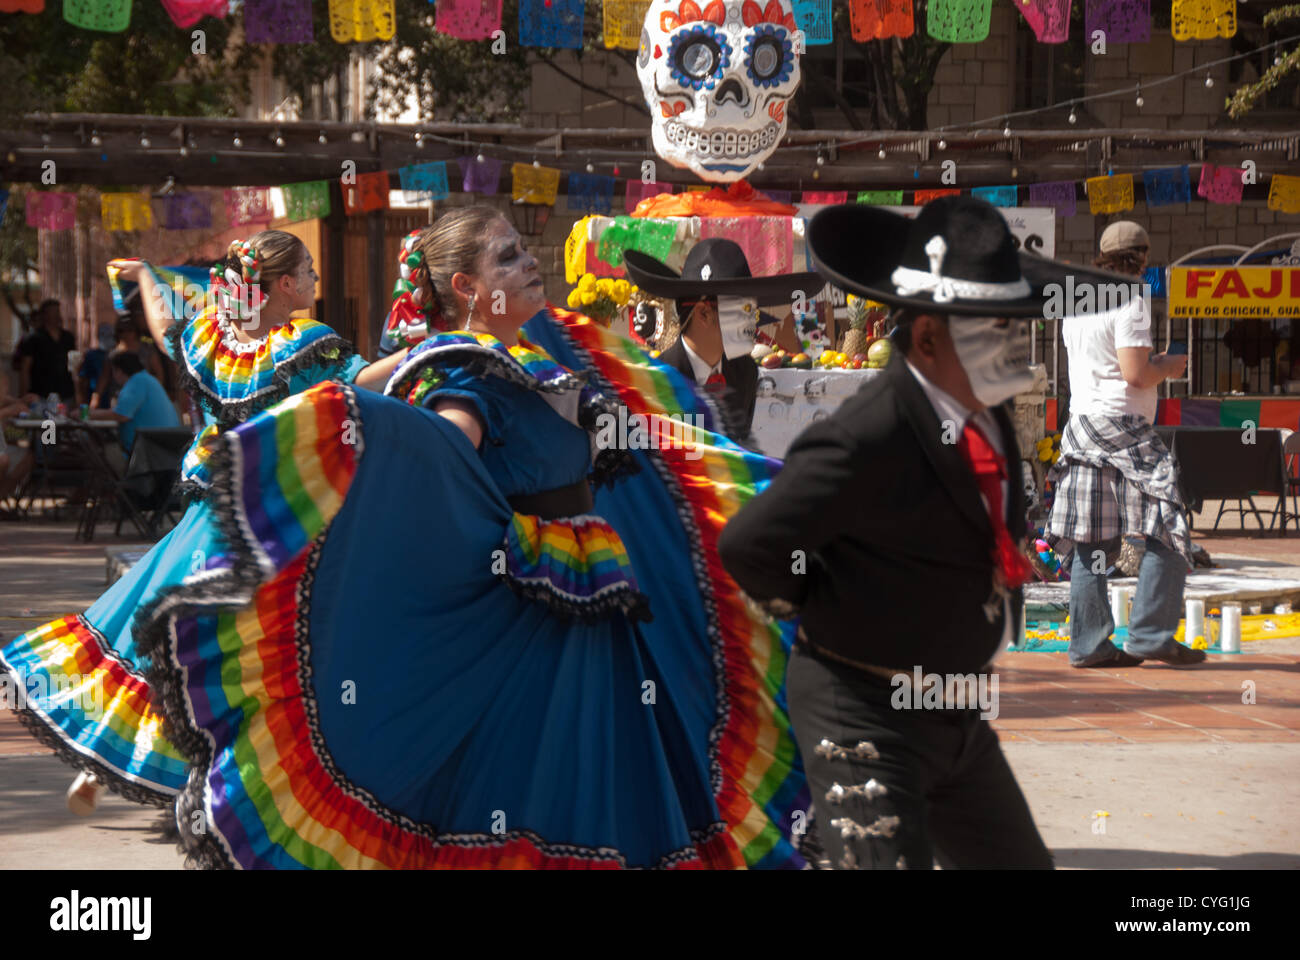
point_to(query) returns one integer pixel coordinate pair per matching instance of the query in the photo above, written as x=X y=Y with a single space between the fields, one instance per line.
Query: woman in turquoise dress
x=543 y=665
x=83 y=676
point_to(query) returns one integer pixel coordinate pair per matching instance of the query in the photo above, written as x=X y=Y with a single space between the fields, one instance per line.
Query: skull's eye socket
x=765 y=60
x=698 y=58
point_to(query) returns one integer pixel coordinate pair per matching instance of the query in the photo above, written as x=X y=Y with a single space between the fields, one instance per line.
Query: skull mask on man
x=717 y=80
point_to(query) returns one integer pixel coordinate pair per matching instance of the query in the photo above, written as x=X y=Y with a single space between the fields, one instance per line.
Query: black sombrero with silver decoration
x=957 y=256
x=717 y=267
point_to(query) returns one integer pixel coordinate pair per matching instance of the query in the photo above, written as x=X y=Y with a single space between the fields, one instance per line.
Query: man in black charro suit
x=717 y=303
x=893 y=531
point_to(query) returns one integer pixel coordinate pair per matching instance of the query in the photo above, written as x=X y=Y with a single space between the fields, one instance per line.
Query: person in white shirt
x=1116 y=499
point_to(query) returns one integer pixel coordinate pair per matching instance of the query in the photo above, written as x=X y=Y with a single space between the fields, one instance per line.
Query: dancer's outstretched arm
x=156 y=312
x=375 y=375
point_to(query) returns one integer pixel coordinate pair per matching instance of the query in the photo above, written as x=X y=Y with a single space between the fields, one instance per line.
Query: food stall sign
x=1234 y=292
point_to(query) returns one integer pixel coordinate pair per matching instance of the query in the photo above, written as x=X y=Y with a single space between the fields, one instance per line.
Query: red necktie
x=716 y=383
x=990 y=469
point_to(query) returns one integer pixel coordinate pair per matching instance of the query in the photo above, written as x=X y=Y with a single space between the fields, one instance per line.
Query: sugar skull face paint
x=717 y=79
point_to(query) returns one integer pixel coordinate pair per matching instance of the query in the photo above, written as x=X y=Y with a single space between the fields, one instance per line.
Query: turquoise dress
x=84 y=675
x=416 y=653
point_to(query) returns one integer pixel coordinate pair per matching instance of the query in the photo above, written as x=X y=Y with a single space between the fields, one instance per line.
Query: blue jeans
x=1157 y=604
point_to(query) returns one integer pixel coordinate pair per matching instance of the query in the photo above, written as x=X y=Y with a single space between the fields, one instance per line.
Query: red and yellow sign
x=1234 y=292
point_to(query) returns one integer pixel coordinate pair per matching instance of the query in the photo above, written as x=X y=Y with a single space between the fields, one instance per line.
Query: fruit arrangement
x=600 y=299
x=864 y=317
x=876 y=356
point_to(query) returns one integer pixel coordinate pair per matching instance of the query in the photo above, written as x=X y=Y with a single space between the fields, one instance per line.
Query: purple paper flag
x=278 y=21
x=1061 y=194
x=480 y=177
x=1122 y=21
x=186 y=211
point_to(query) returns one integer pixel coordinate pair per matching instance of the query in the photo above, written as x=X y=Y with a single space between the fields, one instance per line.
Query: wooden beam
x=376 y=303
x=335 y=289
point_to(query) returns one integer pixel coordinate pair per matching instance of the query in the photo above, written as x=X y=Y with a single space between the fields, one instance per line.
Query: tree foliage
x=1246 y=98
x=150 y=68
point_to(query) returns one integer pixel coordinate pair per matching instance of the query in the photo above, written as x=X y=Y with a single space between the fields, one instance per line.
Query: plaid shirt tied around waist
x=1114 y=477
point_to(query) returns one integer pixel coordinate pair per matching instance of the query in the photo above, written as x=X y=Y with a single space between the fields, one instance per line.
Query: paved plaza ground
x=1147 y=767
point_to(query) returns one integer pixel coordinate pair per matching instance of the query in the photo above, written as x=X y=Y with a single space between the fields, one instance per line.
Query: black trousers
x=942 y=789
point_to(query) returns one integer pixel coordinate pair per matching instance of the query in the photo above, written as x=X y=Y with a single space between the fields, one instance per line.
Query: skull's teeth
x=722 y=143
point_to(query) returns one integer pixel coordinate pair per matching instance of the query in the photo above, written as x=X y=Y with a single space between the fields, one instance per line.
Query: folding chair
x=104 y=486
x=151 y=485
x=59 y=469
x=1291 y=472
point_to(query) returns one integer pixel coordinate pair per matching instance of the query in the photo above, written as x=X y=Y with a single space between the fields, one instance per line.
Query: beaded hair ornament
x=413 y=313
x=239 y=293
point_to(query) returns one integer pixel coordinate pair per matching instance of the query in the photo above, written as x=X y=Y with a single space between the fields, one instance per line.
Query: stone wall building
x=1008 y=72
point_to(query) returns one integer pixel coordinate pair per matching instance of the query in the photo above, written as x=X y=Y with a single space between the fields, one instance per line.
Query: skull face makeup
x=738 y=321
x=717 y=80
x=996 y=359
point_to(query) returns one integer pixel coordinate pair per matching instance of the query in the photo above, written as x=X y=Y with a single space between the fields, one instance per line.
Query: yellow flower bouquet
x=600 y=299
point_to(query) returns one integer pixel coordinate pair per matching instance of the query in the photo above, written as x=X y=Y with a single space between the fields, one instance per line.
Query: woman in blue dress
x=543 y=665
x=83 y=676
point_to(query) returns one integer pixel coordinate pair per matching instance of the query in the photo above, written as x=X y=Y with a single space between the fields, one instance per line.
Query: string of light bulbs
x=1136 y=90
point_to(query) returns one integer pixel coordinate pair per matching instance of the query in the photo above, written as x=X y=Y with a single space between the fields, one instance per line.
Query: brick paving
x=1043 y=699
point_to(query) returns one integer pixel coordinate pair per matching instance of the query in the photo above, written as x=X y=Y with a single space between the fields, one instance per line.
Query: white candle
x=1195 y=620
x=1230 y=631
x=1119 y=599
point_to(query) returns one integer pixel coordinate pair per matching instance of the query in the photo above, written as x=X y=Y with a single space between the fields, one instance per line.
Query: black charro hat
x=716 y=267
x=957 y=256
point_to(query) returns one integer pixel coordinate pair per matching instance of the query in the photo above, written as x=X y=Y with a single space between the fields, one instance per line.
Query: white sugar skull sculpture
x=717 y=79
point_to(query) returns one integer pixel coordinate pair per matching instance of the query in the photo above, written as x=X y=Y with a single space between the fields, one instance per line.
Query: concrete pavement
x=1149 y=767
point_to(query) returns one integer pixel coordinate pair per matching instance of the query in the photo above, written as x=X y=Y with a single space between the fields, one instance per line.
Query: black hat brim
x=660 y=280
x=858 y=248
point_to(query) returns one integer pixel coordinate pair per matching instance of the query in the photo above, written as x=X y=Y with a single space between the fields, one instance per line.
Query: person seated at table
x=141 y=403
x=1117 y=500
x=15 y=462
x=129 y=340
x=94 y=365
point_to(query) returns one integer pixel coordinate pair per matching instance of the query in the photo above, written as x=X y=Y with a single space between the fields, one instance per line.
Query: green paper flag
x=881 y=198
x=306 y=201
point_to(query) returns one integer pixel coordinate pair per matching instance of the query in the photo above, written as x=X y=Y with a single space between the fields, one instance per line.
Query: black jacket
x=896 y=539
x=741 y=374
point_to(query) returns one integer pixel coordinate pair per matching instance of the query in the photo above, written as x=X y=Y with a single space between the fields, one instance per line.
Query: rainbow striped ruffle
x=194 y=467
x=239 y=684
x=524 y=363
x=75 y=693
x=578 y=566
x=227 y=379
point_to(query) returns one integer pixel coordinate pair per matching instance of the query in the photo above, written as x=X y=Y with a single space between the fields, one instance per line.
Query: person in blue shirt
x=141 y=402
